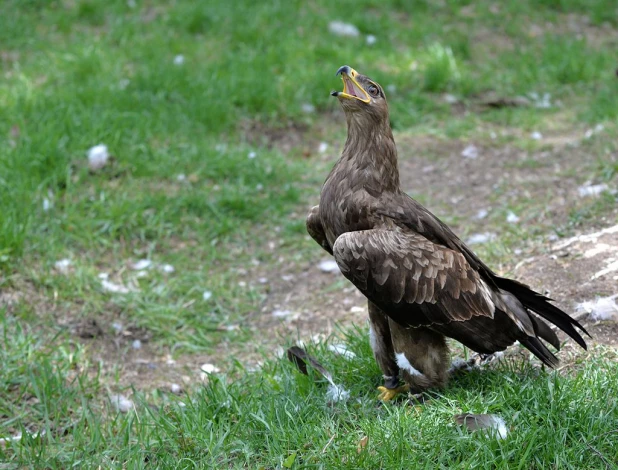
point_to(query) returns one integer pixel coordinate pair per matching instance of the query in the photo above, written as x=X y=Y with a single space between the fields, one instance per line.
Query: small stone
x=98 y=157
x=121 y=403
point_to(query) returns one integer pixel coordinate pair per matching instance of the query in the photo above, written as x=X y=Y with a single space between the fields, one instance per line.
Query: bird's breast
x=345 y=208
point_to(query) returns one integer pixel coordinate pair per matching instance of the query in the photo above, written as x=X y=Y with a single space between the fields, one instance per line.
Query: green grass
x=78 y=73
x=261 y=419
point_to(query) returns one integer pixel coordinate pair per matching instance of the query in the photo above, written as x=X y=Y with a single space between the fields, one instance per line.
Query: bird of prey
x=421 y=281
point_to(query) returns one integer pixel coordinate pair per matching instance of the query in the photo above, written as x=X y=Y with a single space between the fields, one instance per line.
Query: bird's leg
x=422 y=355
x=382 y=346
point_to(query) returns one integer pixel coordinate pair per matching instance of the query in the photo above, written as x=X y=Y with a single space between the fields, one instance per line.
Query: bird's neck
x=370 y=152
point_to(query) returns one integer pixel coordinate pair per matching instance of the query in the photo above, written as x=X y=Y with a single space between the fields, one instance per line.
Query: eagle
x=422 y=282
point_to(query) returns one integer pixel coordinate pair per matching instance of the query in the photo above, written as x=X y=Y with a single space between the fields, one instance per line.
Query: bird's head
x=361 y=96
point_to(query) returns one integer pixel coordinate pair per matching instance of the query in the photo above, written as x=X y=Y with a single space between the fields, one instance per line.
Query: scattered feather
x=335 y=393
x=307 y=108
x=391 y=88
x=179 y=59
x=481 y=214
x=471 y=151
x=600 y=309
x=114 y=288
x=209 y=369
x=328 y=266
x=342 y=350
x=121 y=403
x=251 y=155
x=370 y=39
x=323 y=147
x=541 y=101
x=478 y=238
x=282 y=313
x=137 y=344
x=340 y=28
x=357 y=309
x=166 y=268
x=63 y=265
x=512 y=218
x=536 y=135
x=207 y=295
x=98 y=157
x=175 y=389
x=141 y=264
x=117 y=326
x=592 y=189
x=181 y=177
x=47 y=204
x=492 y=423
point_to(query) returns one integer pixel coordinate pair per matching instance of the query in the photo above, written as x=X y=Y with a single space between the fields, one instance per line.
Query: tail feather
x=539 y=304
x=543 y=330
x=540 y=350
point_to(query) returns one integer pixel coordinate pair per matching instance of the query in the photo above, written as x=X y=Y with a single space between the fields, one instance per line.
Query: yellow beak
x=351 y=88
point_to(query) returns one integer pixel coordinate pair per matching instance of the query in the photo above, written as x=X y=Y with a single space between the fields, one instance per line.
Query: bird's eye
x=373 y=90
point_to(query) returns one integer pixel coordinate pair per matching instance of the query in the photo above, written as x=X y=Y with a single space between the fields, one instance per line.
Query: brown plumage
x=421 y=280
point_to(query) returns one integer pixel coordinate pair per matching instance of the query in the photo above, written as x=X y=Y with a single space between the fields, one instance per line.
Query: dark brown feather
x=409 y=263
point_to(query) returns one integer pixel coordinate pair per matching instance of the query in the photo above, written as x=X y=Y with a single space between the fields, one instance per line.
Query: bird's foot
x=387 y=394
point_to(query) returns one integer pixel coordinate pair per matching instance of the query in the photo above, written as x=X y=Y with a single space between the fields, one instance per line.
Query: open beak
x=351 y=88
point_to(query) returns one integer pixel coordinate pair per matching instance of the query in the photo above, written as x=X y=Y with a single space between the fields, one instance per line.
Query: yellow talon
x=387 y=394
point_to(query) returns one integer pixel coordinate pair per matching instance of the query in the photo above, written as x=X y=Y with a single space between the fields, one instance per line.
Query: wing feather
x=396 y=268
